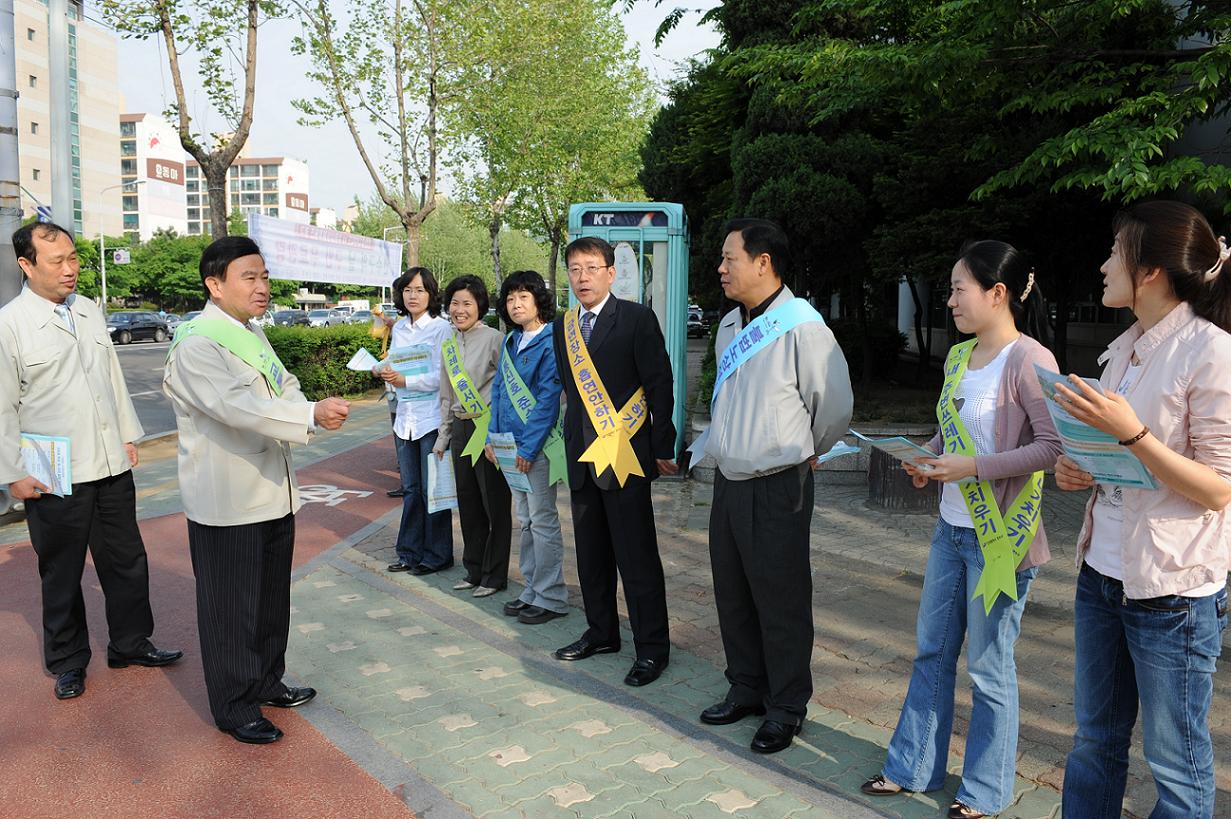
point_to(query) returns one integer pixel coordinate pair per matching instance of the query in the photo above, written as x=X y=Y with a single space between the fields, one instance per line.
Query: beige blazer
x=55 y=383
x=234 y=434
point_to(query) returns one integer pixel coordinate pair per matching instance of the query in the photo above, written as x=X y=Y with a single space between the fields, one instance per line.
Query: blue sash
x=759 y=334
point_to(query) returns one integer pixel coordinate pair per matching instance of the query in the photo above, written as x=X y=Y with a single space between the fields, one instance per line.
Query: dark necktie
x=587 y=325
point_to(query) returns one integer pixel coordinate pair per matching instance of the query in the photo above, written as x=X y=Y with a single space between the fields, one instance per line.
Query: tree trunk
x=414 y=237
x=924 y=344
x=493 y=230
x=216 y=181
x=865 y=341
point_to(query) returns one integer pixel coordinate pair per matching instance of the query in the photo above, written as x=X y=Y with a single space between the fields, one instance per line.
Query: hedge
x=318 y=355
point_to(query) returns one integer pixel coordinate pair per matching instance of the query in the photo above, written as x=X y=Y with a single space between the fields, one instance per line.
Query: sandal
x=880 y=786
x=959 y=811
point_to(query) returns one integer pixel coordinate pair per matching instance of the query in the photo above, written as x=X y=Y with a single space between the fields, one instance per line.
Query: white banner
x=314 y=254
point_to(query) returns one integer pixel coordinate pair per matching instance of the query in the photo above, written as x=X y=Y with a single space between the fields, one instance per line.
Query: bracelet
x=1144 y=432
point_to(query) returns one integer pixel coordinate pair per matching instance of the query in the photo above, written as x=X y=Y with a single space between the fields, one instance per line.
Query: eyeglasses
x=592 y=270
x=414 y=291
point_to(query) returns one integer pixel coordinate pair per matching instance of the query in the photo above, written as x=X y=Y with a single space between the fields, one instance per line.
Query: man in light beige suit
x=238 y=411
x=59 y=376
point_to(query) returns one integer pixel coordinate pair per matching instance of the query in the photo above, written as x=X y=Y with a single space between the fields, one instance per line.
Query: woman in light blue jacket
x=526 y=403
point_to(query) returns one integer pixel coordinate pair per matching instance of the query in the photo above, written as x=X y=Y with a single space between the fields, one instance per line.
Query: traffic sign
x=121 y=256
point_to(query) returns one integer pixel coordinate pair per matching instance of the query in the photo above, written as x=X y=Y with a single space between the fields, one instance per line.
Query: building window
x=250 y=199
x=251 y=185
x=30 y=34
x=191 y=172
x=128 y=167
x=271 y=212
x=131 y=221
x=193 y=187
x=34 y=127
x=269 y=170
x=269 y=198
x=204 y=214
x=33 y=81
x=128 y=129
x=232 y=171
x=270 y=184
x=36 y=173
x=194 y=229
x=128 y=147
x=130 y=201
x=194 y=214
x=250 y=170
x=235 y=200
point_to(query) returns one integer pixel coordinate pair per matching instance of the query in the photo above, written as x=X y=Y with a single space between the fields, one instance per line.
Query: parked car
x=265 y=320
x=291 y=318
x=361 y=317
x=189 y=316
x=696 y=327
x=325 y=318
x=136 y=325
x=172 y=321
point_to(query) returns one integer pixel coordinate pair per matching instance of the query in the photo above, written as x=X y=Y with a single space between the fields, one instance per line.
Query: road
x=142 y=364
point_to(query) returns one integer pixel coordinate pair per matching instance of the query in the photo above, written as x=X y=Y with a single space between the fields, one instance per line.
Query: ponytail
x=991 y=262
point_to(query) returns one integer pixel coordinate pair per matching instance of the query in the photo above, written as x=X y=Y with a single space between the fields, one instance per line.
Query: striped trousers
x=243 y=613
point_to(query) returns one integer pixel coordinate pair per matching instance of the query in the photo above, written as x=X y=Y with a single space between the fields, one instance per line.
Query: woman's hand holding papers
x=1070 y=477
x=1105 y=411
x=389 y=375
x=947 y=468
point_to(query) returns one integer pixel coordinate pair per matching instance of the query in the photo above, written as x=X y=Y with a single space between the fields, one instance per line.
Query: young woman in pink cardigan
x=996 y=438
x=1151 y=600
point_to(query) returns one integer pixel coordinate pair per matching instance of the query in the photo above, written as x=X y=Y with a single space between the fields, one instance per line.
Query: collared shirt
x=53 y=382
x=760 y=309
x=596 y=309
x=416 y=418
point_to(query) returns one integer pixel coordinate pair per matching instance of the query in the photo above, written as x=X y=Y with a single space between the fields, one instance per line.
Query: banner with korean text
x=309 y=253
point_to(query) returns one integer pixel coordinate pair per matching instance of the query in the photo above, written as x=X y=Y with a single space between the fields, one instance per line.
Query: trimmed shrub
x=886 y=342
x=318 y=355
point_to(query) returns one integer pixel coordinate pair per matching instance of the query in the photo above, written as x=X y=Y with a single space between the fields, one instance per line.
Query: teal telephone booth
x=651 y=253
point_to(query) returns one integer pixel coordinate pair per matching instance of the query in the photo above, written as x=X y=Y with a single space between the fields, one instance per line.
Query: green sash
x=524 y=402
x=472 y=402
x=1003 y=540
x=240 y=342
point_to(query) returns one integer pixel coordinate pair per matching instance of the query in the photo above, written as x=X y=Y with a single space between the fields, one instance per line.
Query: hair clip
x=1224 y=253
x=1029 y=287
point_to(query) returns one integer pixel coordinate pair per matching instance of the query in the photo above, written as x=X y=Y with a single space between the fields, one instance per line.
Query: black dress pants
x=102 y=515
x=243 y=613
x=759 y=550
x=485 y=511
x=614 y=531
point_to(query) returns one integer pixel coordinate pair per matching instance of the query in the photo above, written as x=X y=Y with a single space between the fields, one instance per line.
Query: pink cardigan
x=1026 y=439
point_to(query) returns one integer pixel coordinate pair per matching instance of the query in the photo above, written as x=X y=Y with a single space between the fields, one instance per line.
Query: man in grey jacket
x=769 y=421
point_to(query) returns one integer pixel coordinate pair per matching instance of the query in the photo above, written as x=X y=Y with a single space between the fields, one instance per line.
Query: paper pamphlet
x=839 y=449
x=414 y=360
x=48 y=458
x=362 y=361
x=900 y=448
x=505 y=448
x=441 y=483
x=1094 y=451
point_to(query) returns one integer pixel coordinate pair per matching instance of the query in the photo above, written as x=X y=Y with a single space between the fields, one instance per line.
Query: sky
x=337 y=173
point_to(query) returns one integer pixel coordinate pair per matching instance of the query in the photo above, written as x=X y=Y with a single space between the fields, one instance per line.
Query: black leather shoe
x=399 y=567
x=534 y=615
x=70 y=684
x=258 y=732
x=423 y=568
x=291 y=697
x=396 y=493
x=153 y=658
x=644 y=672
x=514 y=608
x=584 y=648
x=725 y=713
x=774 y=736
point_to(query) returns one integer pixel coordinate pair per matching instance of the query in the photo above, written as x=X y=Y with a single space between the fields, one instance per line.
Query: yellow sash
x=613 y=447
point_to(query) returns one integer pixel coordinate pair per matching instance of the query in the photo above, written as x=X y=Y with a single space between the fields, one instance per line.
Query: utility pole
x=10 y=168
x=61 y=106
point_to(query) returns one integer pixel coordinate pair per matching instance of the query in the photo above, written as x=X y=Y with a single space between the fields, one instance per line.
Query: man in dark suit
x=613 y=519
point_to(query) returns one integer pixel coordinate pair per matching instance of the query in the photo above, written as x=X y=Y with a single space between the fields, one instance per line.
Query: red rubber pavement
x=141 y=742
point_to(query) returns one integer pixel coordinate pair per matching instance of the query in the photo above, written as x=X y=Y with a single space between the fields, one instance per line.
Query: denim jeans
x=541 y=553
x=1159 y=652
x=422 y=538
x=919 y=750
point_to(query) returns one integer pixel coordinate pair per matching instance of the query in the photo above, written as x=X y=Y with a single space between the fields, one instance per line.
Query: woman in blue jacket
x=526 y=402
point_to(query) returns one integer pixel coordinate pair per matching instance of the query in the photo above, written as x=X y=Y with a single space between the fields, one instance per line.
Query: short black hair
x=475 y=287
x=532 y=283
x=219 y=254
x=23 y=239
x=763 y=236
x=429 y=284
x=591 y=244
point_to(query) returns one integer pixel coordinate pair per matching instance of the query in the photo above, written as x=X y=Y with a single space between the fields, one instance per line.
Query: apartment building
x=274 y=186
x=152 y=169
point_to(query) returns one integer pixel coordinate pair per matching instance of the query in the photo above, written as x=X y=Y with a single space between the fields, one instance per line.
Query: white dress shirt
x=57 y=382
x=416 y=418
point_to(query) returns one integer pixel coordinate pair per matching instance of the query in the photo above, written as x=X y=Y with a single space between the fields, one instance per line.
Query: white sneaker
x=462 y=585
x=484 y=591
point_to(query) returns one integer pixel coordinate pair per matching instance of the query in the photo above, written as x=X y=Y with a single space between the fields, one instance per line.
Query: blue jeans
x=919 y=750
x=422 y=538
x=541 y=553
x=1160 y=652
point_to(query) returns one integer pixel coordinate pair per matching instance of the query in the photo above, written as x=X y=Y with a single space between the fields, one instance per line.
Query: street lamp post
x=102 y=243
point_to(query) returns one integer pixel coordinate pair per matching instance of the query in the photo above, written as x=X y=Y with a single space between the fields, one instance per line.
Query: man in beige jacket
x=59 y=376
x=238 y=411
